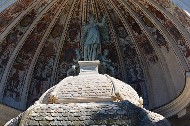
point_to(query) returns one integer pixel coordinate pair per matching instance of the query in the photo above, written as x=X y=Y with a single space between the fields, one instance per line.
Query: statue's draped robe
x=93 y=35
x=91 y=39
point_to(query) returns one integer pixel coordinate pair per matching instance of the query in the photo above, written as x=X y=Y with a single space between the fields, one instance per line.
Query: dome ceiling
x=148 y=45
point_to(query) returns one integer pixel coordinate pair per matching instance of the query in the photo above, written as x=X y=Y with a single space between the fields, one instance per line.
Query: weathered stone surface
x=108 y=113
x=43 y=123
x=49 y=118
x=91 y=88
x=79 y=108
x=38 y=118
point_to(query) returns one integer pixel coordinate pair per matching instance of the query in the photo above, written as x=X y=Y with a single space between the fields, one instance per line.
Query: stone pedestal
x=89 y=67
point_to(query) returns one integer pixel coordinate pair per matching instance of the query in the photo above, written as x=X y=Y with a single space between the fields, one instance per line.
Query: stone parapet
x=103 y=113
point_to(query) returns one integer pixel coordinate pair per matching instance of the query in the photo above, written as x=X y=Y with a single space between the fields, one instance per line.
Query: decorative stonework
x=9 y=14
x=43 y=70
x=148 y=47
x=106 y=113
x=25 y=54
x=90 y=99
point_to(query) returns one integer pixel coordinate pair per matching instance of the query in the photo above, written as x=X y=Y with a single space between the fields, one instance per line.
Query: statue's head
x=106 y=52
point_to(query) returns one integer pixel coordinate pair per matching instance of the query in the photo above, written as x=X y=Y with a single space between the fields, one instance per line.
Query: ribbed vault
x=149 y=45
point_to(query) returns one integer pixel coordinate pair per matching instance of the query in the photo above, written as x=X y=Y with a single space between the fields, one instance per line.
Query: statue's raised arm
x=84 y=32
x=103 y=28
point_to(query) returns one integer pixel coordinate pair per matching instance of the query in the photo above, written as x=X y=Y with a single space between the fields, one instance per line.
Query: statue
x=75 y=68
x=93 y=35
x=78 y=56
x=91 y=38
x=107 y=63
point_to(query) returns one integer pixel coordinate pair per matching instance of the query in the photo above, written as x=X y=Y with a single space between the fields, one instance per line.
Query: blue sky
x=184 y=4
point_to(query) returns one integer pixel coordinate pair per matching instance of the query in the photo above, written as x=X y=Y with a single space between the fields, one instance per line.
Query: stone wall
x=7 y=114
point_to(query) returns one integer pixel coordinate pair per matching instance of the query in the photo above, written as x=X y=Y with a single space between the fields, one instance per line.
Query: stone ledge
x=89 y=67
x=102 y=113
x=83 y=100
